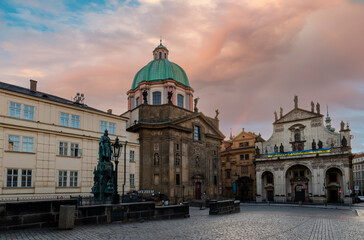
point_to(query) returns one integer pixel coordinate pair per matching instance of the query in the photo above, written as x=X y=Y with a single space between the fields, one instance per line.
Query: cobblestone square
x=253 y=222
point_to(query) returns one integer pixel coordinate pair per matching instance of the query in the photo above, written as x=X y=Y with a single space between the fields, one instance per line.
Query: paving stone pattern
x=253 y=222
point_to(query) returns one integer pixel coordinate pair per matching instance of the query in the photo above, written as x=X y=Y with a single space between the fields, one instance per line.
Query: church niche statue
x=313 y=144
x=145 y=95
x=344 y=142
x=319 y=144
x=170 y=94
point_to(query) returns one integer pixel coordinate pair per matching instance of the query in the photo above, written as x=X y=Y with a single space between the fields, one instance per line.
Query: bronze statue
x=170 y=94
x=145 y=95
x=105 y=149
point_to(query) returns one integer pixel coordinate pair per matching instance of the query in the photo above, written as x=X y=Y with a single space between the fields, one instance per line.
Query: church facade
x=304 y=160
x=179 y=146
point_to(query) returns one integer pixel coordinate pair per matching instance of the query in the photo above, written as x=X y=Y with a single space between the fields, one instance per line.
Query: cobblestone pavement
x=253 y=222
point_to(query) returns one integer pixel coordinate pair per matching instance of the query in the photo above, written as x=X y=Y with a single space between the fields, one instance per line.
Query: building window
x=103 y=126
x=247 y=157
x=180 y=100
x=197 y=133
x=62 y=178
x=132 y=156
x=75 y=121
x=26 y=177
x=156 y=159
x=74 y=150
x=112 y=128
x=244 y=144
x=64 y=119
x=160 y=55
x=178 y=180
x=177 y=159
x=14 y=109
x=28 y=112
x=14 y=143
x=63 y=148
x=137 y=101
x=242 y=157
x=132 y=182
x=244 y=169
x=12 y=178
x=333 y=177
x=157 y=98
x=28 y=144
x=177 y=147
x=73 y=178
x=215 y=180
x=228 y=176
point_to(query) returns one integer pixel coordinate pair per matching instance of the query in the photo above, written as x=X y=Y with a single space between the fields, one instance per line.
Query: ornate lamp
x=117 y=147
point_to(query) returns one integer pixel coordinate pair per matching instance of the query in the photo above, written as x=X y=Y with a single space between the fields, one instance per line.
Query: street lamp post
x=183 y=193
x=126 y=142
x=236 y=185
x=117 y=147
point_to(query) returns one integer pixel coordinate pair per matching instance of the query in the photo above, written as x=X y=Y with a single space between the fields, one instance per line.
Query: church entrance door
x=299 y=193
x=270 y=196
x=198 y=190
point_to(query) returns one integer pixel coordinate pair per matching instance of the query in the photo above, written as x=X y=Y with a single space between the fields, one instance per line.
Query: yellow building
x=238 y=166
x=49 y=145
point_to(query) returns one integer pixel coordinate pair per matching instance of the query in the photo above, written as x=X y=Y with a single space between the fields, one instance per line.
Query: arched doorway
x=268 y=186
x=245 y=189
x=334 y=183
x=298 y=182
x=198 y=190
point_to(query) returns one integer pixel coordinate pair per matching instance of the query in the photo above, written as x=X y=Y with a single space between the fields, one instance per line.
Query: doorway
x=198 y=190
x=270 y=196
x=299 y=193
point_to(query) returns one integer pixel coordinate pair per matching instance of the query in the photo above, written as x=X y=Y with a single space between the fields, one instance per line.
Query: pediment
x=298 y=114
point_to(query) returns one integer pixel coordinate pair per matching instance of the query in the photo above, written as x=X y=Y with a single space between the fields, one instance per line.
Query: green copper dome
x=160 y=69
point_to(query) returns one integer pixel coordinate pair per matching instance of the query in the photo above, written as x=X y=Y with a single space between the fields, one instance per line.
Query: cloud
x=247 y=58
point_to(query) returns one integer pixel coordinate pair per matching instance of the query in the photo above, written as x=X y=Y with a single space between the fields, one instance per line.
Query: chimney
x=33 y=85
x=109 y=111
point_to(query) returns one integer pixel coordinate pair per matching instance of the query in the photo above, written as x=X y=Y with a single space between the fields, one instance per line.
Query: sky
x=246 y=58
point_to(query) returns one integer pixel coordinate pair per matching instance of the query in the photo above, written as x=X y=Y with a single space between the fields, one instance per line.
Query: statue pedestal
x=104 y=175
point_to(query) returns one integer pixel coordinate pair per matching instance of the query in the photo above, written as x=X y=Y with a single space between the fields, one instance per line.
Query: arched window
x=137 y=101
x=180 y=100
x=165 y=55
x=156 y=98
x=160 y=55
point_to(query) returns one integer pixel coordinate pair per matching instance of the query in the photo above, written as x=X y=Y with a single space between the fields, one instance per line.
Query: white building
x=303 y=160
x=49 y=145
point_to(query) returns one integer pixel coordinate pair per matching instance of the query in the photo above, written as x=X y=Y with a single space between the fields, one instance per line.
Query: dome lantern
x=160 y=52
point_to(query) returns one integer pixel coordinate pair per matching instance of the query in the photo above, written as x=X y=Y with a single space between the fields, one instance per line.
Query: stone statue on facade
x=318 y=108
x=275 y=116
x=281 y=148
x=257 y=151
x=217 y=113
x=145 y=95
x=313 y=144
x=281 y=113
x=295 y=101
x=275 y=148
x=170 y=94
x=344 y=142
x=105 y=149
x=342 y=126
x=312 y=106
x=196 y=101
x=319 y=144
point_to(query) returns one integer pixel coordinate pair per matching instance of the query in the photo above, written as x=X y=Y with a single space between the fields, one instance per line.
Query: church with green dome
x=156 y=79
x=179 y=145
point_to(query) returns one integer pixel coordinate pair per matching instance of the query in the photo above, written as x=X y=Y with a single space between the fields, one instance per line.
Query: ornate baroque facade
x=303 y=160
x=238 y=166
